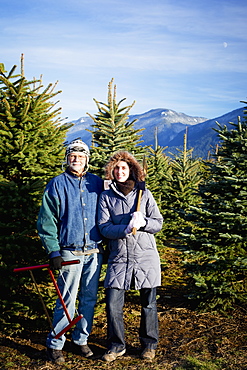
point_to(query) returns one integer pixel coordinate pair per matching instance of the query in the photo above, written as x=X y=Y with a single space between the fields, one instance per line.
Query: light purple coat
x=131 y=256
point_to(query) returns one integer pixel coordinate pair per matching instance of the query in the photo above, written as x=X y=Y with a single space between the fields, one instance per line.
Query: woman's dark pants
x=148 y=331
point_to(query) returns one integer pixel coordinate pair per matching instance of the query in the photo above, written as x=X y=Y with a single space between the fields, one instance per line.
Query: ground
x=188 y=339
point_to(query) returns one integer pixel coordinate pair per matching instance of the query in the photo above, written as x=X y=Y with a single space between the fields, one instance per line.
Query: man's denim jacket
x=67 y=217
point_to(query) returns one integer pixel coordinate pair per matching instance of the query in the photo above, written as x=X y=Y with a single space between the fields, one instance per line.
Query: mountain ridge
x=171 y=127
x=202 y=137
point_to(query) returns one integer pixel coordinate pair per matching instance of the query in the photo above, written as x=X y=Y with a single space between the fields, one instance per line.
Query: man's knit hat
x=77 y=146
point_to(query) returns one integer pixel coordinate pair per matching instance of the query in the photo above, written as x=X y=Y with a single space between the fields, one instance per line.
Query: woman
x=133 y=258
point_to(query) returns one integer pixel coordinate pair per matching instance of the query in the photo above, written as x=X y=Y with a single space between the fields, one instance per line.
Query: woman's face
x=121 y=172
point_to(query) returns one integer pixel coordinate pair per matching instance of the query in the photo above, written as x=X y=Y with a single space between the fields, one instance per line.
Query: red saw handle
x=64 y=263
x=71 y=322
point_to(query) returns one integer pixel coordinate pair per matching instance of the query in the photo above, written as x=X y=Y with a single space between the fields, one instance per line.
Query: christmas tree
x=112 y=132
x=181 y=192
x=31 y=152
x=216 y=248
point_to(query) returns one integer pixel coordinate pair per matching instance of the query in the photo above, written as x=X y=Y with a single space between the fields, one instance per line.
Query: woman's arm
x=106 y=226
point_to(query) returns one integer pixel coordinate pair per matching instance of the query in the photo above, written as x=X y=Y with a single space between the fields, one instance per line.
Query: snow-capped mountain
x=168 y=122
x=79 y=130
x=170 y=126
x=202 y=137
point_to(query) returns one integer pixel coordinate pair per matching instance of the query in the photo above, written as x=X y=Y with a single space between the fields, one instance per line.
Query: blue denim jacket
x=67 y=216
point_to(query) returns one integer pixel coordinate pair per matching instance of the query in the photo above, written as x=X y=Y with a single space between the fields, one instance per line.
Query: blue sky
x=189 y=56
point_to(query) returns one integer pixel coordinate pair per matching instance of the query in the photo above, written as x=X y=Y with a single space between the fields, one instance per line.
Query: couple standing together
x=76 y=213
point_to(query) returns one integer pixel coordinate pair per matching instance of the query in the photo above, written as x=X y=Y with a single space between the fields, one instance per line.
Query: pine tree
x=216 y=249
x=112 y=132
x=181 y=192
x=158 y=172
x=31 y=152
x=158 y=175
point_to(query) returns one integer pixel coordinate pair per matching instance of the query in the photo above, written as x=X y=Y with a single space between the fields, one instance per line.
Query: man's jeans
x=148 y=332
x=82 y=283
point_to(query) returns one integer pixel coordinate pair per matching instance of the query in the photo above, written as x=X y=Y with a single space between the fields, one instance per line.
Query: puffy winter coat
x=131 y=256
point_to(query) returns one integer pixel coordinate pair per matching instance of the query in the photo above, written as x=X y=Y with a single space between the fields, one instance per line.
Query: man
x=67 y=227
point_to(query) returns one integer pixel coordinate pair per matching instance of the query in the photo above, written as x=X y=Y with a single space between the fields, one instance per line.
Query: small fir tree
x=186 y=173
x=158 y=175
x=31 y=152
x=158 y=172
x=158 y=169
x=216 y=256
x=112 y=132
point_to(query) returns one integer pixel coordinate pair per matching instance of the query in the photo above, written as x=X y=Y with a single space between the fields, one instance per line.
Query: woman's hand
x=137 y=221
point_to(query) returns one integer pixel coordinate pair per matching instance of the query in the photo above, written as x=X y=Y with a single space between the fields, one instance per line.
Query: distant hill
x=171 y=127
x=202 y=138
x=79 y=130
x=168 y=122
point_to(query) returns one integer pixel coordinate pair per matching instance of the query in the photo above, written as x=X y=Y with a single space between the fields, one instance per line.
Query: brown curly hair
x=136 y=171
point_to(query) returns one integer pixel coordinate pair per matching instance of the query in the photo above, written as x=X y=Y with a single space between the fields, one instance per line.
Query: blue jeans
x=82 y=283
x=148 y=331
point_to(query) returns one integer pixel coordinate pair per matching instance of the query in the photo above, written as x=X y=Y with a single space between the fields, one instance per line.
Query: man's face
x=77 y=162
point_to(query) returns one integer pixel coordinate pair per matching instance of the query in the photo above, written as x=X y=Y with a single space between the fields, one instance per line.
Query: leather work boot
x=55 y=355
x=85 y=351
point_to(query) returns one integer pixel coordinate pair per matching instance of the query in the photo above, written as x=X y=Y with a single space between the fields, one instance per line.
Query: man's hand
x=56 y=263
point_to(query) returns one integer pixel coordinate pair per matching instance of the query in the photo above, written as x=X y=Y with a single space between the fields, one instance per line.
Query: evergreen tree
x=112 y=132
x=181 y=192
x=157 y=169
x=31 y=152
x=216 y=249
x=158 y=173
x=158 y=176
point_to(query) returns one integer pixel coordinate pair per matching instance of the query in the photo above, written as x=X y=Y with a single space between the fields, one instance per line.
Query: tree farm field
x=189 y=339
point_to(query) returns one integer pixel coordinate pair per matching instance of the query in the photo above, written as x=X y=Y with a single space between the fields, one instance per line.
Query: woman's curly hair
x=136 y=171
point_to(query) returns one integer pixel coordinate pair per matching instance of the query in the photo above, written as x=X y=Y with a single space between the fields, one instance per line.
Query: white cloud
x=157 y=51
